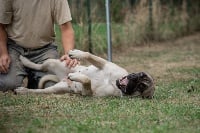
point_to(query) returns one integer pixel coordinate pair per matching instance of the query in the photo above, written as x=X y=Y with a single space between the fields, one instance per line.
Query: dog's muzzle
x=140 y=82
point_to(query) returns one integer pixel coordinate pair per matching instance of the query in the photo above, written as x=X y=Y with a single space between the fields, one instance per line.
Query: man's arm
x=4 y=56
x=67 y=36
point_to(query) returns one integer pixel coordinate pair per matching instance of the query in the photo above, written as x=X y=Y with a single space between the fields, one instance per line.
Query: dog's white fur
x=98 y=79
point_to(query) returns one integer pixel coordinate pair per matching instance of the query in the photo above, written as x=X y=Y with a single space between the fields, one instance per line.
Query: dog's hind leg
x=94 y=60
x=30 y=64
x=54 y=66
x=59 y=88
x=85 y=80
x=46 y=78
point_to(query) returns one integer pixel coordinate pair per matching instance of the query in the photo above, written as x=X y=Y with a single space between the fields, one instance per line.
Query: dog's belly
x=102 y=81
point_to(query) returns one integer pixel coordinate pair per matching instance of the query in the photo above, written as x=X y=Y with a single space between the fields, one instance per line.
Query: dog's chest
x=96 y=75
x=92 y=72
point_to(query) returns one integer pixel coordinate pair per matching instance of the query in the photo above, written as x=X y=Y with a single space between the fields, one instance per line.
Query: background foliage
x=134 y=22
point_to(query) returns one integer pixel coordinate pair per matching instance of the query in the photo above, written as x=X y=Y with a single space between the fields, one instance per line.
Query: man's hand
x=4 y=56
x=4 y=63
x=69 y=62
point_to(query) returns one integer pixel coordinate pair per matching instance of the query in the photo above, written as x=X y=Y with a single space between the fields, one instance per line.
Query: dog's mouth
x=122 y=83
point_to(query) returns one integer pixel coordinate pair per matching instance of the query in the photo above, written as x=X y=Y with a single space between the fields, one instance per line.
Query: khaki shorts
x=17 y=72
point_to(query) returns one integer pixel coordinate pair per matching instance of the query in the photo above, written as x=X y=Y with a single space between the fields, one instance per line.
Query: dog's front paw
x=73 y=76
x=77 y=54
x=78 y=77
x=21 y=90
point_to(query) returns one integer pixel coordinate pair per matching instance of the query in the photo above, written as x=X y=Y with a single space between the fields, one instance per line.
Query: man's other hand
x=4 y=63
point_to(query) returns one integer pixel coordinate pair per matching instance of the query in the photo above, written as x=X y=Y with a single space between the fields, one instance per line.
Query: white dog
x=102 y=78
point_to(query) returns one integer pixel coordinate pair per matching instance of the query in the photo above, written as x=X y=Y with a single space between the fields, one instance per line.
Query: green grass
x=98 y=37
x=175 y=107
x=85 y=114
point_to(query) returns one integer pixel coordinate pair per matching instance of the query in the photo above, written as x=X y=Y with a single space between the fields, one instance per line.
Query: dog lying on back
x=101 y=78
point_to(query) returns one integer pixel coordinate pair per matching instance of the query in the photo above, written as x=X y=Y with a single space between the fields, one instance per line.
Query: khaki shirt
x=30 y=23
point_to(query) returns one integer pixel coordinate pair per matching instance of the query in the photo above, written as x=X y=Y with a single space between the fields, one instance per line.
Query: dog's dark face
x=137 y=82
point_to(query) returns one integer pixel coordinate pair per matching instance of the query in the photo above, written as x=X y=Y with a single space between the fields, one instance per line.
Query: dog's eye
x=142 y=87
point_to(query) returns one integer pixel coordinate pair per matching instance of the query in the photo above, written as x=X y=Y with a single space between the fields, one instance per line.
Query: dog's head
x=140 y=82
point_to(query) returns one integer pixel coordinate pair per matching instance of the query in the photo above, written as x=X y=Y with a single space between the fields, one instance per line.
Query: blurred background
x=133 y=22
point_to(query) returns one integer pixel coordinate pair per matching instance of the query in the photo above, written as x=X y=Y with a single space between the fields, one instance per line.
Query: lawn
x=175 y=66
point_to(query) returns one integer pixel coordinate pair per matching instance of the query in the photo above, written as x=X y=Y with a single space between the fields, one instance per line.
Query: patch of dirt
x=159 y=59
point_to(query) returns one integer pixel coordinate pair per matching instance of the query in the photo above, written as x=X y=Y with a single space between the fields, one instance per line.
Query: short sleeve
x=5 y=11
x=62 y=12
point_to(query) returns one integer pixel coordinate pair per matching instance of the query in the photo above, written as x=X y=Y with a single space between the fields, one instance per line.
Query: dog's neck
x=118 y=91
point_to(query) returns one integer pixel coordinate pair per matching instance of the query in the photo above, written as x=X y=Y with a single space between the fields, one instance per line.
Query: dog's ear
x=148 y=93
x=148 y=81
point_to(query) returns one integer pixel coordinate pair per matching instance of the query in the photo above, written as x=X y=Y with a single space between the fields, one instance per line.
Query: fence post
x=188 y=13
x=150 y=20
x=89 y=26
x=109 y=42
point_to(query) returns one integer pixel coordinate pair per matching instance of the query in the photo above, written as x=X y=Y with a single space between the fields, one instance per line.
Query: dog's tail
x=27 y=63
x=47 y=78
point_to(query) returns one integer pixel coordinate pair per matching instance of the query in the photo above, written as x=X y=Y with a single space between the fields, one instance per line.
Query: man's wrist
x=3 y=52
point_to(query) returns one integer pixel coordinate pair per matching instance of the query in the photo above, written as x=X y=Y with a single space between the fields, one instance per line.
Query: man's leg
x=39 y=56
x=16 y=74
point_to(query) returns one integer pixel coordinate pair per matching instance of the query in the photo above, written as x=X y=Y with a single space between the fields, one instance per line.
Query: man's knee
x=7 y=85
x=10 y=84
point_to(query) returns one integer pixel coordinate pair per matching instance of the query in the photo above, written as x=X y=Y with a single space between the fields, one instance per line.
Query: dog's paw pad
x=76 y=54
x=71 y=76
x=74 y=76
